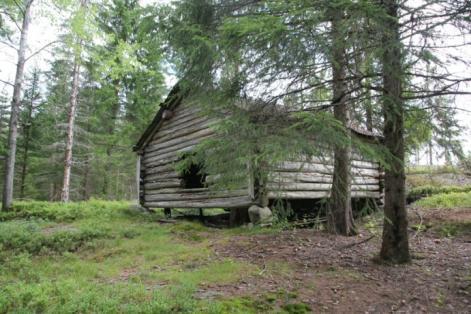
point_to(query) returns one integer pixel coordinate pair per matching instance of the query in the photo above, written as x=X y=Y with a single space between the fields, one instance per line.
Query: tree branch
x=41 y=49
x=5 y=82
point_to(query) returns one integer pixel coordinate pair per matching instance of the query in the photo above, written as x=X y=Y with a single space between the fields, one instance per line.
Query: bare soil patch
x=338 y=274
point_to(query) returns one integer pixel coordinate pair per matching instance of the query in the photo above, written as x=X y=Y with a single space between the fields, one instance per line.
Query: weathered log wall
x=185 y=127
x=161 y=185
x=312 y=178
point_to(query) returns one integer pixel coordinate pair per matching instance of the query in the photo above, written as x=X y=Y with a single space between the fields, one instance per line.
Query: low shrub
x=64 y=212
x=446 y=200
x=28 y=237
x=429 y=190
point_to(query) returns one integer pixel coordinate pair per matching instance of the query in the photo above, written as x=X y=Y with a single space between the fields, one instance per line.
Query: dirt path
x=336 y=274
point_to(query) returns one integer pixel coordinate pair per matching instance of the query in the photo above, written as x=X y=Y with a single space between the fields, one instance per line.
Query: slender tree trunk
x=65 y=195
x=430 y=153
x=15 y=105
x=395 y=245
x=27 y=136
x=111 y=131
x=340 y=217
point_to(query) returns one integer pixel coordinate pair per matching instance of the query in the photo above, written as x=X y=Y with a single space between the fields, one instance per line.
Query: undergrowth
x=106 y=257
x=429 y=190
x=446 y=200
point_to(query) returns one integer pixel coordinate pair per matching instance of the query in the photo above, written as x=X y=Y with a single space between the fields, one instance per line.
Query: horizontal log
x=232 y=202
x=159 y=162
x=298 y=195
x=171 y=183
x=194 y=196
x=162 y=159
x=317 y=187
x=158 y=169
x=161 y=176
x=183 y=143
x=194 y=135
x=293 y=166
x=188 y=121
x=175 y=190
x=286 y=177
x=312 y=177
x=192 y=124
x=177 y=120
x=318 y=194
x=366 y=194
x=160 y=137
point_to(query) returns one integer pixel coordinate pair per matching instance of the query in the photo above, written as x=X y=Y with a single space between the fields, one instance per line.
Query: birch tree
x=24 y=12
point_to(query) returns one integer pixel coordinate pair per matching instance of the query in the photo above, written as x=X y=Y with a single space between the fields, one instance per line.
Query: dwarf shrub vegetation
x=429 y=190
x=446 y=200
x=63 y=212
x=105 y=257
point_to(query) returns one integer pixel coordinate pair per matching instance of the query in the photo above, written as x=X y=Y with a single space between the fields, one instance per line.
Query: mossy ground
x=106 y=257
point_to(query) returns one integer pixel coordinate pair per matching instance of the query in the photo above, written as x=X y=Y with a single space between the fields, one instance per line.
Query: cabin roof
x=175 y=97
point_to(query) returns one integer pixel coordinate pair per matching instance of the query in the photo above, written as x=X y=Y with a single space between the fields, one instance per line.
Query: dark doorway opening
x=194 y=177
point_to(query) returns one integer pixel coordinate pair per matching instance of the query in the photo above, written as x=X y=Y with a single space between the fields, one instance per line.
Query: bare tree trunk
x=15 y=105
x=65 y=195
x=395 y=245
x=430 y=153
x=340 y=217
x=27 y=135
x=111 y=131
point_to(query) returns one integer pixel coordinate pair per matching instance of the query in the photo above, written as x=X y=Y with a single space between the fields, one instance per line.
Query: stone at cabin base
x=260 y=215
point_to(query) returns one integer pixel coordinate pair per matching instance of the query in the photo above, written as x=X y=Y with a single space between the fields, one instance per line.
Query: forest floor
x=105 y=257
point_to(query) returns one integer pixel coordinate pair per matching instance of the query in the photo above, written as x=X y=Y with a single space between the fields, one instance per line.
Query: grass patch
x=102 y=256
x=446 y=200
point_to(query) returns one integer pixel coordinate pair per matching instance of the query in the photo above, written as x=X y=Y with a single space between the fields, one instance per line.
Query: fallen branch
x=357 y=243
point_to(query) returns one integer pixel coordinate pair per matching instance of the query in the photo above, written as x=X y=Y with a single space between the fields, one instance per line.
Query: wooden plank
x=232 y=202
x=170 y=183
x=316 y=187
x=292 y=166
x=175 y=190
x=160 y=162
x=163 y=168
x=318 y=194
x=298 y=194
x=313 y=178
x=194 y=135
x=161 y=176
x=193 y=196
x=183 y=142
x=162 y=159
x=172 y=127
x=366 y=194
x=161 y=137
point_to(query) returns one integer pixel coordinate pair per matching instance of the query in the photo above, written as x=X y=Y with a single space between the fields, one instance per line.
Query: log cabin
x=179 y=126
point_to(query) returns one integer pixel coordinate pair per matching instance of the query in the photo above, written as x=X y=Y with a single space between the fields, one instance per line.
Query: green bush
x=447 y=200
x=28 y=237
x=429 y=190
x=64 y=212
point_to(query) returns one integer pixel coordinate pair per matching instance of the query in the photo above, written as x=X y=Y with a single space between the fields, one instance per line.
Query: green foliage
x=108 y=259
x=448 y=200
x=63 y=212
x=429 y=190
x=27 y=237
